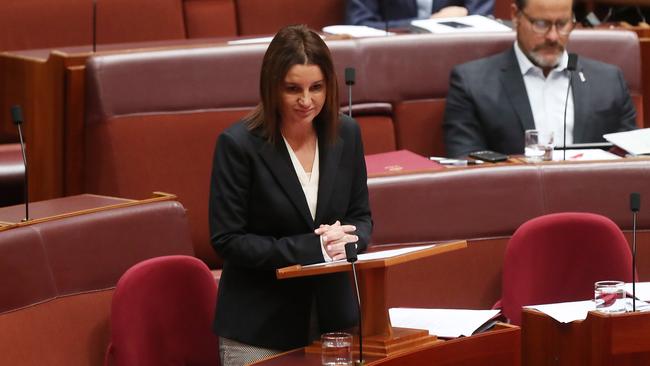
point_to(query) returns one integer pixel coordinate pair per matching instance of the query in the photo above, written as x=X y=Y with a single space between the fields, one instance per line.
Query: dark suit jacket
x=260 y=221
x=488 y=108
x=400 y=13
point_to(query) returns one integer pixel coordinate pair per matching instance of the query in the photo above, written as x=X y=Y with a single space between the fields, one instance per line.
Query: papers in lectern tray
x=384 y=254
x=447 y=323
x=356 y=31
x=468 y=24
x=636 y=142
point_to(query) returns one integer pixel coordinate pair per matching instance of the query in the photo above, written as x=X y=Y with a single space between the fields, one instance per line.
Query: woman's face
x=303 y=94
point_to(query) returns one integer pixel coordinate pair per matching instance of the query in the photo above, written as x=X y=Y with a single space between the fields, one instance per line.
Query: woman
x=288 y=187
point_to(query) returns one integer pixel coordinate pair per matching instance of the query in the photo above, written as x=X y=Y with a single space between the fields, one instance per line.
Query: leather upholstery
x=255 y=17
x=57 y=278
x=86 y=253
x=12 y=173
x=151 y=113
x=32 y=24
x=559 y=257
x=495 y=201
x=162 y=313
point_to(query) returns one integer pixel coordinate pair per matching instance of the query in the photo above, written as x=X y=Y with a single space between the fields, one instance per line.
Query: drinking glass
x=609 y=296
x=539 y=145
x=336 y=349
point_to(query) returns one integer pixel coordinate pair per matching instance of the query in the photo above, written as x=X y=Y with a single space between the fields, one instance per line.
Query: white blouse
x=308 y=181
x=309 y=184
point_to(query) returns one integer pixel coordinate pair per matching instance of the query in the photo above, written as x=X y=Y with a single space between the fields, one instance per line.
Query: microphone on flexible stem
x=635 y=206
x=349 y=81
x=17 y=117
x=571 y=66
x=94 y=26
x=351 y=256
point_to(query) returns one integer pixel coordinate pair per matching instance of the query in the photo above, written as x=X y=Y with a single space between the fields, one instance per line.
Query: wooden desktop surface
x=40 y=211
x=599 y=340
x=500 y=346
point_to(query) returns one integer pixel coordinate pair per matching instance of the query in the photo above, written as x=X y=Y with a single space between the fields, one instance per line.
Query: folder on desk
x=399 y=162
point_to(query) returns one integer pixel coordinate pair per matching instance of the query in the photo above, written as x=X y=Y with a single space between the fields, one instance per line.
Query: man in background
x=383 y=14
x=492 y=101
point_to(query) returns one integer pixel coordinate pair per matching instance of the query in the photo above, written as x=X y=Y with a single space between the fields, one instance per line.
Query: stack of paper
x=636 y=142
x=468 y=24
x=446 y=323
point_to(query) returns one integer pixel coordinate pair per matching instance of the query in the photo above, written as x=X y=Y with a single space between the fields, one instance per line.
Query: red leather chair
x=558 y=257
x=162 y=314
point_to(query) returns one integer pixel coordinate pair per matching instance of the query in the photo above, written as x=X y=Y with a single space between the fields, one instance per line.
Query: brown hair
x=294 y=45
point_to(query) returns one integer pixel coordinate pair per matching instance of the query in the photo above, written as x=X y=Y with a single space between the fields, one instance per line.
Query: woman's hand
x=334 y=237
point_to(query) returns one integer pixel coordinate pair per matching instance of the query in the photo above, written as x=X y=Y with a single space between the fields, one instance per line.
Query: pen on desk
x=576 y=156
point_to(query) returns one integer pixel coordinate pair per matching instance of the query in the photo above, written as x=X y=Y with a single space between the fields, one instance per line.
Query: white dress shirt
x=547 y=96
x=425 y=8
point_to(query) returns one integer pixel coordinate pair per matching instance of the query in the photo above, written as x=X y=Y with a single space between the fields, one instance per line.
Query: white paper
x=448 y=323
x=251 y=40
x=584 y=155
x=642 y=290
x=356 y=31
x=636 y=142
x=384 y=254
x=566 y=312
x=468 y=24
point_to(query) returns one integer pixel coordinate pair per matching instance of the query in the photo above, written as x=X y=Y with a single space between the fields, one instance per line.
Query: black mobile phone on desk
x=488 y=155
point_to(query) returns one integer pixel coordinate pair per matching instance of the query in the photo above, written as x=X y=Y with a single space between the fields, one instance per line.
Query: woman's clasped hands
x=334 y=237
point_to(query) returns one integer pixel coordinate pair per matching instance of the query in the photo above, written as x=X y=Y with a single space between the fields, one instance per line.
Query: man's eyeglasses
x=542 y=26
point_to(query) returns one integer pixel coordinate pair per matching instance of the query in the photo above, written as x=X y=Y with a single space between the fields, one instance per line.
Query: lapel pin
x=582 y=77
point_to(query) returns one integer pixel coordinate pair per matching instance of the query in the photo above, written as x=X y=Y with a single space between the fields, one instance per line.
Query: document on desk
x=356 y=31
x=566 y=312
x=468 y=24
x=447 y=323
x=636 y=142
x=642 y=290
x=384 y=254
x=584 y=155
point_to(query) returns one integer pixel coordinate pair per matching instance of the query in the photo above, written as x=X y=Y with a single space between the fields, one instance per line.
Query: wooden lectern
x=379 y=337
x=599 y=340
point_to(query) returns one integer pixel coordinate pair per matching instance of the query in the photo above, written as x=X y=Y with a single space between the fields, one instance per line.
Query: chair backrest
x=558 y=257
x=162 y=314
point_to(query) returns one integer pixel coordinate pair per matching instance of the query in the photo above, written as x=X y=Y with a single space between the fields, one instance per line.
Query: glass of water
x=609 y=296
x=538 y=145
x=336 y=349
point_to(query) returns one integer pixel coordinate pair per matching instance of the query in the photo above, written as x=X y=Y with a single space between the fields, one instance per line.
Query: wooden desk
x=500 y=346
x=601 y=339
x=55 y=209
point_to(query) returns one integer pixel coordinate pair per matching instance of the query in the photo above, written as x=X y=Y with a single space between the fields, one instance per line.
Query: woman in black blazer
x=288 y=187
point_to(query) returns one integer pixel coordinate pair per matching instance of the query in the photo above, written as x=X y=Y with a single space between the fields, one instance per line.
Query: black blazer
x=260 y=221
x=488 y=108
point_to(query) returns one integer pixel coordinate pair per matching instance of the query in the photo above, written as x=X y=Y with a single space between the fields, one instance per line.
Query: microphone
x=17 y=117
x=94 y=26
x=351 y=256
x=571 y=66
x=635 y=206
x=349 y=81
